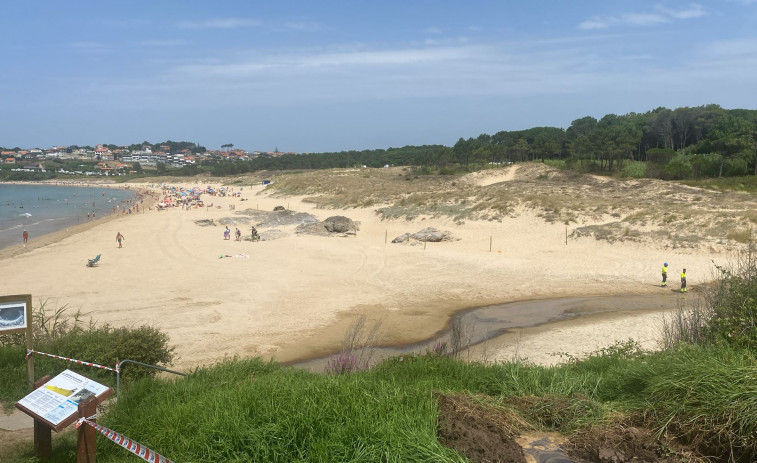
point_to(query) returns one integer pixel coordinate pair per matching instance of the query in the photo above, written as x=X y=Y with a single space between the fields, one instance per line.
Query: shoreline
x=56 y=236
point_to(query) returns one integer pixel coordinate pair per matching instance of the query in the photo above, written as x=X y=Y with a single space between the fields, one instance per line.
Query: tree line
x=703 y=141
x=687 y=142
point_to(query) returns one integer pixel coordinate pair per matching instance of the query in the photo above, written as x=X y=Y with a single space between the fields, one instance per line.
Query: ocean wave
x=11 y=316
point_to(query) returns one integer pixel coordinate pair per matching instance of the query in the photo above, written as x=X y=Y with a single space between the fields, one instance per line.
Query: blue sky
x=313 y=76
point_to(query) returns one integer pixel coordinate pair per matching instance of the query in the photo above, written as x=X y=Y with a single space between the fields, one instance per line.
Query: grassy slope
x=249 y=410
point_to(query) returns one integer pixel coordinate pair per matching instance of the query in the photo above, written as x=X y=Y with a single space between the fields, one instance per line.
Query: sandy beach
x=294 y=297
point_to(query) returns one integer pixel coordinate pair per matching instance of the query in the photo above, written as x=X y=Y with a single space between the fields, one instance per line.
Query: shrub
x=556 y=163
x=56 y=333
x=678 y=168
x=729 y=313
x=734 y=302
x=344 y=363
x=634 y=169
x=107 y=345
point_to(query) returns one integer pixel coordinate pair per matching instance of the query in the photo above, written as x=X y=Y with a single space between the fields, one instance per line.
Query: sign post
x=16 y=317
x=58 y=402
x=85 y=435
x=43 y=441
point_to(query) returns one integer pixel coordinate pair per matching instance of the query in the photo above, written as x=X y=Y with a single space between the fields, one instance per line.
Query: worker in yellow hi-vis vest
x=664 y=275
x=683 y=281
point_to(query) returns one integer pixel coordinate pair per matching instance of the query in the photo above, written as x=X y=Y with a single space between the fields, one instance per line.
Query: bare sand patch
x=490 y=177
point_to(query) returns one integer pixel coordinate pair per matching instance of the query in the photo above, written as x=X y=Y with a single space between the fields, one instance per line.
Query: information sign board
x=56 y=402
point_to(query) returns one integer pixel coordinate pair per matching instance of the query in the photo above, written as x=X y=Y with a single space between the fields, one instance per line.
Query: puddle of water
x=544 y=448
x=484 y=323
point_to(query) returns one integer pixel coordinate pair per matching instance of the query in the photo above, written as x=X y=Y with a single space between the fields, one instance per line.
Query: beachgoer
x=238 y=235
x=26 y=236
x=683 y=281
x=119 y=238
x=226 y=233
x=664 y=274
x=255 y=235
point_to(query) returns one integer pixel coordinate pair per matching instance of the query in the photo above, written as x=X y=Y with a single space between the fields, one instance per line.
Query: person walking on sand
x=683 y=281
x=119 y=238
x=238 y=235
x=664 y=275
x=226 y=233
x=26 y=236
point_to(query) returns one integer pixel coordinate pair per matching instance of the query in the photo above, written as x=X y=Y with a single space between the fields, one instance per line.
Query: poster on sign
x=56 y=402
x=16 y=317
x=13 y=316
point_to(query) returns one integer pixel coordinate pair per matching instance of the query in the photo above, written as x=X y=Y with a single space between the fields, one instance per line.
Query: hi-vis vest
x=664 y=269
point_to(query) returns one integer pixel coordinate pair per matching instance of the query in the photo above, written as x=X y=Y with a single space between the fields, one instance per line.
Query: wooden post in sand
x=386 y=236
x=566 y=235
x=490 y=243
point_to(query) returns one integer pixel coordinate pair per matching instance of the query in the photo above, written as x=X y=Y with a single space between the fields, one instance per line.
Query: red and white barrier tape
x=134 y=447
x=30 y=352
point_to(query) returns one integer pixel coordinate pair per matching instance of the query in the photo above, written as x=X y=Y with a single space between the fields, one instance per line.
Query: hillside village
x=122 y=160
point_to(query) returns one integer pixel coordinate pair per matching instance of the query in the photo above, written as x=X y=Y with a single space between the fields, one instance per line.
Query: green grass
x=250 y=410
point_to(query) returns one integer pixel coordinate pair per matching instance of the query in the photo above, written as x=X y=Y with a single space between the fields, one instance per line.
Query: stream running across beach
x=482 y=324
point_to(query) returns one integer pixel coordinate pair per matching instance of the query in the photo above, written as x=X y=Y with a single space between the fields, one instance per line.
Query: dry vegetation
x=642 y=210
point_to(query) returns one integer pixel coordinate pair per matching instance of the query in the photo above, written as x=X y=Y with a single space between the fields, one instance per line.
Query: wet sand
x=501 y=330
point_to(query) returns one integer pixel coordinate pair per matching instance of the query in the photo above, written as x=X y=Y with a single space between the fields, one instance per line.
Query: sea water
x=42 y=209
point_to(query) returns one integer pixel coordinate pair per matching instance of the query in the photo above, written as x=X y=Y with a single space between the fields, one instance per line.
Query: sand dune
x=293 y=297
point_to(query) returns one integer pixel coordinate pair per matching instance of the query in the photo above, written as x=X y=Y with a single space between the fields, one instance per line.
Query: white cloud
x=694 y=10
x=432 y=30
x=272 y=77
x=643 y=19
x=567 y=67
x=220 y=23
x=597 y=22
x=661 y=15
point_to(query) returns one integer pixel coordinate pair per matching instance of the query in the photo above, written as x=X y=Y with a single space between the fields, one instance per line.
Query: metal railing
x=120 y=364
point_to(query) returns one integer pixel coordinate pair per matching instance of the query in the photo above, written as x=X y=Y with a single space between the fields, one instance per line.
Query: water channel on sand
x=493 y=323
